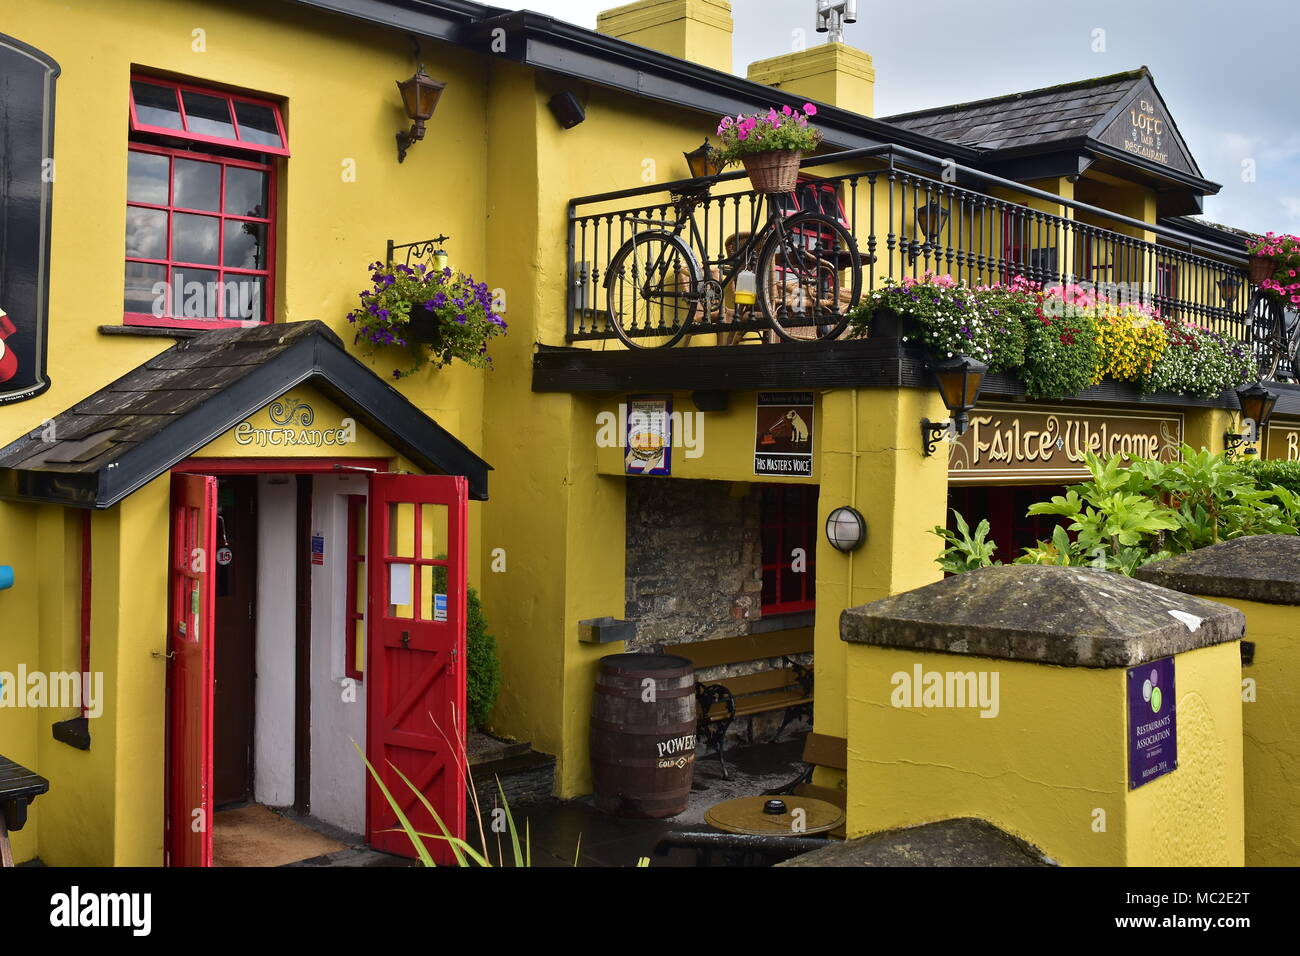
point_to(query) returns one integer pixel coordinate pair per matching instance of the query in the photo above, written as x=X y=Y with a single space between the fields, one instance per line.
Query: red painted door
x=189 y=674
x=415 y=655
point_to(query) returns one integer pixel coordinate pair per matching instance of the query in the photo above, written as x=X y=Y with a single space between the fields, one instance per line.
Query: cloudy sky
x=1226 y=69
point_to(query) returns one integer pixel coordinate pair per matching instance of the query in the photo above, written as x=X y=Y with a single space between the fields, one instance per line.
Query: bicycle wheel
x=652 y=290
x=810 y=276
x=1268 y=338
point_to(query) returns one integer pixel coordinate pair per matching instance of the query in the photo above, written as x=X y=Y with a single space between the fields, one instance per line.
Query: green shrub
x=483 y=669
x=1125 y=517
x=1283 y=473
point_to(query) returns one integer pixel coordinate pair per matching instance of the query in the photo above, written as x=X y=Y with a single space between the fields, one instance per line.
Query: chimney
x=833 y=73
x=695 y=30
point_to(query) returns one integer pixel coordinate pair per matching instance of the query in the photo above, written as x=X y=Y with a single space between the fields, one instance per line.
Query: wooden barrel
x=643 y=735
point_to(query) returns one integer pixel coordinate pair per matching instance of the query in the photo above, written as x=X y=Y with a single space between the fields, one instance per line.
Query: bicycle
x=1275 y=335
x=656 y=285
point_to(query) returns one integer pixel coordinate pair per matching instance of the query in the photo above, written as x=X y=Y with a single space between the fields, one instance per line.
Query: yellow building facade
x=501 y=171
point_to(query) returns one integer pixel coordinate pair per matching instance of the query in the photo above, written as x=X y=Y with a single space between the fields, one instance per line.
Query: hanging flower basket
x=775 y=172
x=1261 y=269
x=770 y=145
x=434 y=315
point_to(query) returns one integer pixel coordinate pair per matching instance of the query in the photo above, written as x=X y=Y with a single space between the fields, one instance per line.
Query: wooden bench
x=719 y=702
x=18 y=788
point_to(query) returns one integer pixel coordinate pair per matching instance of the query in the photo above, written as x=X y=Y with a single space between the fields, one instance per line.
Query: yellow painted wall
x=1054 y=756
x=871 y=460
x=20 y=610
x=1271 y=724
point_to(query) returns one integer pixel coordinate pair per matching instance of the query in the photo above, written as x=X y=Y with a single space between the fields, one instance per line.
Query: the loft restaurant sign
x=26 y=183
x=1143 y=129
x=1016 y=442
x=1283 y=442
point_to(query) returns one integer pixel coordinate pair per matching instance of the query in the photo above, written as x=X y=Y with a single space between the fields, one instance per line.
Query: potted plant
x=769 y=145
x=435 y=315
x=1275 y=266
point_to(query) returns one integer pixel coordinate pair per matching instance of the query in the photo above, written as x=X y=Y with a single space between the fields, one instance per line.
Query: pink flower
x=809 y=109
x=786 y=110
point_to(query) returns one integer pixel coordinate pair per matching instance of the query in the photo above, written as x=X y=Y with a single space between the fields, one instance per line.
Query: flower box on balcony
x=888 y=324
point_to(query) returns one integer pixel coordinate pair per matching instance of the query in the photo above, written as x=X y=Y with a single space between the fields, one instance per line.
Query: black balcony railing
x=910 y=214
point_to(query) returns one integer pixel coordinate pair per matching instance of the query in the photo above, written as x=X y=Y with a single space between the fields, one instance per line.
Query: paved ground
x=556 y=826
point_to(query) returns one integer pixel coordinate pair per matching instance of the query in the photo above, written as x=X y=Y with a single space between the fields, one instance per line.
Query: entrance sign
x=288 y=422
x=1283 y=442
x=26 y=188
x=1026 y=443
x=648 y=444
x=783 y=434
x=1152 y=722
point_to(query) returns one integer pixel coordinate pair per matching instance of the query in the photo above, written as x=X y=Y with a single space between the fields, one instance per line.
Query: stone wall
x=693 y=560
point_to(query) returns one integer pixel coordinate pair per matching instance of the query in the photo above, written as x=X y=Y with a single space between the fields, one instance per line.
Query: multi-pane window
x=200 y=219
x=788 y=525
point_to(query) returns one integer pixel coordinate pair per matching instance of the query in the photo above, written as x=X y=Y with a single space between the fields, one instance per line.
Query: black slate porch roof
x=130 y=432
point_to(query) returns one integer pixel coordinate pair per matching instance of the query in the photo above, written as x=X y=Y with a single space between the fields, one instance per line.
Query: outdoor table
x=747 y=815
x=18 y=787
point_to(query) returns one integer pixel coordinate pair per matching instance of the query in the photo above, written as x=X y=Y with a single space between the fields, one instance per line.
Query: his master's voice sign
x=1152 y=722
x=783 y=434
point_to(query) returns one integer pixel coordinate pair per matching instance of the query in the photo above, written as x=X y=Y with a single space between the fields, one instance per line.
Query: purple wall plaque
x=1152 y=722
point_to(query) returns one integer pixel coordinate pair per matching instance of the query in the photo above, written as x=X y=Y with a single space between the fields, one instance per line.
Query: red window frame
x=267 y=274
x=356 y=571
x=780 y=533
x=230 y=98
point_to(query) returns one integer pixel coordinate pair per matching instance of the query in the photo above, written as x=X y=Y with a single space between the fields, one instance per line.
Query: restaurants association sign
x=1007 y=443
x=26 y=185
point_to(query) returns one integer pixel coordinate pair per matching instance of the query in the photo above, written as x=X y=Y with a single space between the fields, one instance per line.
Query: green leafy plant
x=483 y=668
x=1126 y=516
x=433 y=315
x=965 y=551
x=770 y=132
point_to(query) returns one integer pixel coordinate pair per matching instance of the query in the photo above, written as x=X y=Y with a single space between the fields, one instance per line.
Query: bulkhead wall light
x=846 y=529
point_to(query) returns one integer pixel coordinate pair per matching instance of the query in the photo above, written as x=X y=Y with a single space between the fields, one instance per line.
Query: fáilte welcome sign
x=1026 y=443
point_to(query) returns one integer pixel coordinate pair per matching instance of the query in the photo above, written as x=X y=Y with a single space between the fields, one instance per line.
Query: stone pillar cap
x=1263 y=568
x=1075 y=617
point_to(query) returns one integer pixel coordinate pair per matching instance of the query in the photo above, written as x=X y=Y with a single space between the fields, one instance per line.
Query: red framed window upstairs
x=201 y=201
x=212 y=117
x=788 y=521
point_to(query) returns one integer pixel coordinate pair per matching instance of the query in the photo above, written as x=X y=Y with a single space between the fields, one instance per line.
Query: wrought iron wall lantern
x=1256 y=403
x=420 y=95
x=846 y=529
x=930 y=219
x=703 y=160
x=960 y=379
x=1228 y=287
